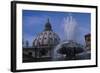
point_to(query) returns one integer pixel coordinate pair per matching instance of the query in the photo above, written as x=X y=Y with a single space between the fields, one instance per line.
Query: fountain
x=56 y=55
x=70 y=29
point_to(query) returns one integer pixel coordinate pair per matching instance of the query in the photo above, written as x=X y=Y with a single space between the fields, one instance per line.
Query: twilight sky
x=68 y=25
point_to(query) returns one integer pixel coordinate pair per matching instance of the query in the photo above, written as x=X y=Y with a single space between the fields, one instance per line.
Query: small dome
x=47 y=38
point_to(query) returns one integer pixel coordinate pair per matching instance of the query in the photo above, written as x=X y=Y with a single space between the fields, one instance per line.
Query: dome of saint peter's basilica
x=47 y=38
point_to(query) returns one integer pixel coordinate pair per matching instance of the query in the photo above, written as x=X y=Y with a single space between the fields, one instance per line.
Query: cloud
x=32 y=20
